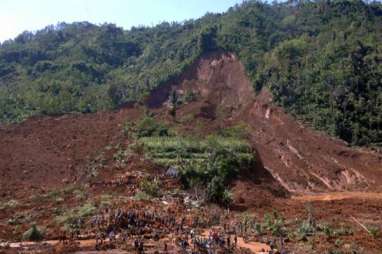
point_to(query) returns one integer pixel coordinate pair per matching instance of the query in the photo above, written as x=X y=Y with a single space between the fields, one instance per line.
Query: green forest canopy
x=321 y=60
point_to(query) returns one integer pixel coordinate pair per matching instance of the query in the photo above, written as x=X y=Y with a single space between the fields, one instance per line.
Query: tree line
x=320 y=59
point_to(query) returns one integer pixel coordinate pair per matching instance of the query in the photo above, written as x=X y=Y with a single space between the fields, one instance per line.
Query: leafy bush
x=275 y=224
x=305 y=229
x=33 y=234
x=73 y=218
x=146 y=127
x=308 y=226
x=218 y=162
x=374 y=231
x=86 y=210
x=259 y=229
x=328 y=231
x=215 y=190
x=150 y=187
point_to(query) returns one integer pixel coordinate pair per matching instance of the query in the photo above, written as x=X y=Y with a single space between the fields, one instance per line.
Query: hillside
x=119 y=161
x=320 y=60
x=257 y=130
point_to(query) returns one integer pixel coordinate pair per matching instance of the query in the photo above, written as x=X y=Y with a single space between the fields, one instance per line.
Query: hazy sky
x=17 y=16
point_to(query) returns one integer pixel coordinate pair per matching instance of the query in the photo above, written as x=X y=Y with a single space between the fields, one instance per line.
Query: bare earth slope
x=306 y=160
x=300 y=158
x=45 y=155
x=49 y=152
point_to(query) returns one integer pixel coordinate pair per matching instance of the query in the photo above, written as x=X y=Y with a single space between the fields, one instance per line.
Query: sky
x=17 y=16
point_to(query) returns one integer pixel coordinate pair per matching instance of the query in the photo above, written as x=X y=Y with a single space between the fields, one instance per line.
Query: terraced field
x=173 y=151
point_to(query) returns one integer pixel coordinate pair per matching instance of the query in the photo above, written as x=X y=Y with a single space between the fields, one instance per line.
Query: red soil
x=47 y=153
x=50 y=152
x=300 y=158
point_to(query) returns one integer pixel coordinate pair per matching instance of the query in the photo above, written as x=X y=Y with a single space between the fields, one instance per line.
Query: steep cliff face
x=217 y=79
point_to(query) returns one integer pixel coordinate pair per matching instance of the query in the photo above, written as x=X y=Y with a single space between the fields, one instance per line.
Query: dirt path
x=254 y=247
x=339 y=196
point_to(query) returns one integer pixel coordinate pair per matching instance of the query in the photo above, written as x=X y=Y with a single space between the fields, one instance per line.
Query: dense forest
x=322 y=60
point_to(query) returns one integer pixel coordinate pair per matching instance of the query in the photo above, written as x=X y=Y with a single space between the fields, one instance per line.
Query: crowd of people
x=164 y=230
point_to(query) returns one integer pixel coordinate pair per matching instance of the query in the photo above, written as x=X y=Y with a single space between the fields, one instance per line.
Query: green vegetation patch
x=73 y=218
x=212 y=162
x=33 y=234
x=171 y=151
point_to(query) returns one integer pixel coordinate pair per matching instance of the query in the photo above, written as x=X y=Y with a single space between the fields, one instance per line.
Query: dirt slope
x=306 y=160
x=49 y=152
x=300 y=158
x=218 y=80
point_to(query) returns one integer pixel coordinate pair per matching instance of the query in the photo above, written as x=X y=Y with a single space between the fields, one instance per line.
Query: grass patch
x=141 y=195
x=212 y=163
x=150 y=187
x=105 y=200
x=274 y=223
x=146 y=127
x=73 y=218
x=374 y=231
x=20 y=218
x=79 y=195
x=168 y=151
x=239 y=131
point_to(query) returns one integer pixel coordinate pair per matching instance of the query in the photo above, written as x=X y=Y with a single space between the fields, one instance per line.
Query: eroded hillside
x=300 y=158
x=53 y=168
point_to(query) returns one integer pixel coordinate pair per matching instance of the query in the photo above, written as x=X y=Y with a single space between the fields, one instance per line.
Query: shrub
x=86 y=210
x=33 y=234
x=259 y=229
x=227 y=198
x=141 y=195
x=305 y=229
x=328 y=231
x=128 y=128
x=215 y=190
x=239 y=131
x=275 y=224
x=73 y=218
x=308 y=226
x=150 y=187
x=120 y=157
x=149 y=127
x=374 y=231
